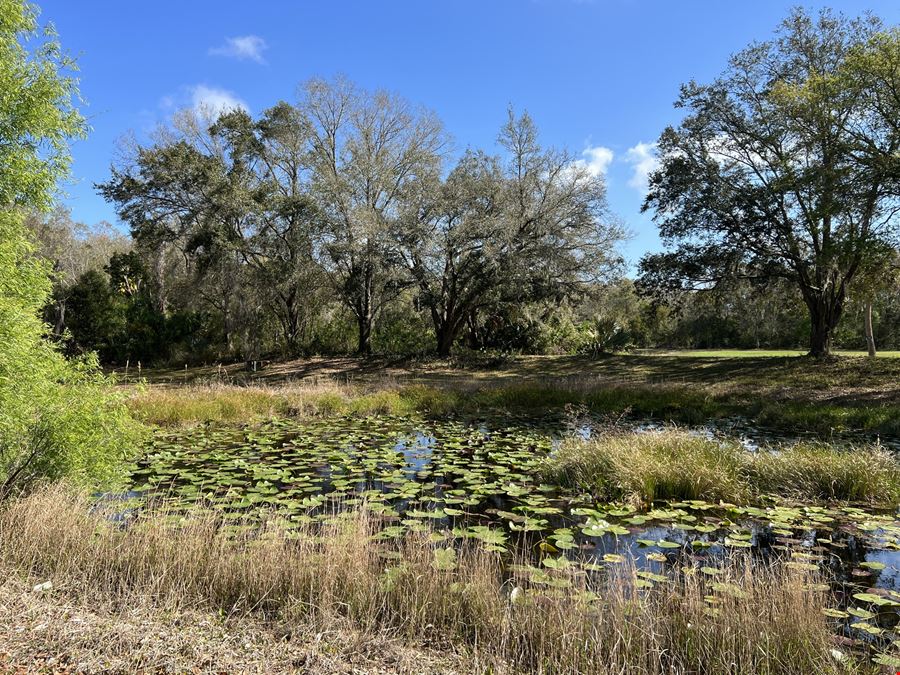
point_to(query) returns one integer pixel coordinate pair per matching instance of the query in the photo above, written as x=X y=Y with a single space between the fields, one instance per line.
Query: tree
x=96 y=317
x=72 y=249
x=231 y=193
x=56 y=416
x=783 y=168
x=367 y=150
x=883 y=277
x=527 y=227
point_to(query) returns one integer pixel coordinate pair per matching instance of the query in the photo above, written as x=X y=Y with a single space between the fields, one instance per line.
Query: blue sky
x=598 y=76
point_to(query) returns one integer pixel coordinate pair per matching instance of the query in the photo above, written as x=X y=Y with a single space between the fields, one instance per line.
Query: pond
x=479 y=480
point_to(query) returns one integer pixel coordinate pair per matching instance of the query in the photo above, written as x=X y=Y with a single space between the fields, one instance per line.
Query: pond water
x=479 y=480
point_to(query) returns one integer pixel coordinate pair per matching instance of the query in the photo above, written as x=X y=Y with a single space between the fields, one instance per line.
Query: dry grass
x=168 y=406
x=812 y=397
x=229 y=403
x=62 y=631
x=226 y=403
x=338 y=579
x=674 y=464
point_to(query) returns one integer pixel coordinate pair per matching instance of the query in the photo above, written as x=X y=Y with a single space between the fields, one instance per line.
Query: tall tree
x=522 y=228
x=72 y=249
x=56 y=418
x=367 y=149
x=233 y=194
x=782 y=168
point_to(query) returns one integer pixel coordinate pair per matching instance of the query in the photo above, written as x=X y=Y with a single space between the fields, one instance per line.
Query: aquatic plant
x=754 y=618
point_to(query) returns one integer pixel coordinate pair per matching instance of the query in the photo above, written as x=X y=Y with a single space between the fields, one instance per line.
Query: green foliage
x=787 y=178
x=56 y=416
x=37 y=115
x=96 y=315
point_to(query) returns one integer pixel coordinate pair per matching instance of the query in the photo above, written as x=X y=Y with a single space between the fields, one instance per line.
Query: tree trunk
x=445 y=340
x=820 y=340
x=60 y=324
x=825 y=311
x=291 y=327
x=870 y=334
x=474 y=339
x=823 y=320
x=364 y=346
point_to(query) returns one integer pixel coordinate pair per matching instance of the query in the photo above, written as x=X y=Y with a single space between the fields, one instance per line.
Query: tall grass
x=221 y=403
x=168 y=406
x=339 y=576
x=675 y=464
x=227 y=403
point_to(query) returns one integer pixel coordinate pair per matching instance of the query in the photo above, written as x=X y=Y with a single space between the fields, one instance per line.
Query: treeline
x=343 y=208
x=108 y=298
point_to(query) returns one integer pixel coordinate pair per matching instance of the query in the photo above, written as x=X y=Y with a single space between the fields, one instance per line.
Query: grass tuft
x=675 y=464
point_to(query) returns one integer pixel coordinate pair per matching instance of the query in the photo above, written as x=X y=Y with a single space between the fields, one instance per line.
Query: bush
x=57 y=417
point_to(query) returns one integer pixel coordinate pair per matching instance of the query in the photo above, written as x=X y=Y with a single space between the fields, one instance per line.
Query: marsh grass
x=675 y=464
x=224 y=403
x=769 y=621
x=825 y=419
x=228 y=403
x=819 y=472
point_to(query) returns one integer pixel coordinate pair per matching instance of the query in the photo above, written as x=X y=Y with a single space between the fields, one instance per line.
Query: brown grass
x=63 y=631
x=339 y=579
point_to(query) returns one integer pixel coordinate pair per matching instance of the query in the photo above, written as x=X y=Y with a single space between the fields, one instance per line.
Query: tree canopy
x=785 y=167
x=346 y=190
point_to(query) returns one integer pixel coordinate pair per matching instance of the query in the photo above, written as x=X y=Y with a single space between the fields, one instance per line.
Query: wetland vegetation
x=457 y=522
x=514 y=473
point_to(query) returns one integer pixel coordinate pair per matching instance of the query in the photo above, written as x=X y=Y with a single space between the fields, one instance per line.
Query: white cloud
x=214 y=99
x=643 y=160
x=242 y=47
x=596 y=160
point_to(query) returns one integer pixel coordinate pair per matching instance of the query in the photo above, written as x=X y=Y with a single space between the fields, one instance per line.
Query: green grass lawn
x=754 y=353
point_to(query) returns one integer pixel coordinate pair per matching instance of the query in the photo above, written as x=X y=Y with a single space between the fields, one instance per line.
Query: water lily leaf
x=876 y=599
x=890 y=660
x=444 y=559
x=729 y=589
x=867 y=627
x=801 y=565
x=873 y=565
x=650 y=576
x=560 y=563
x=861 y=613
